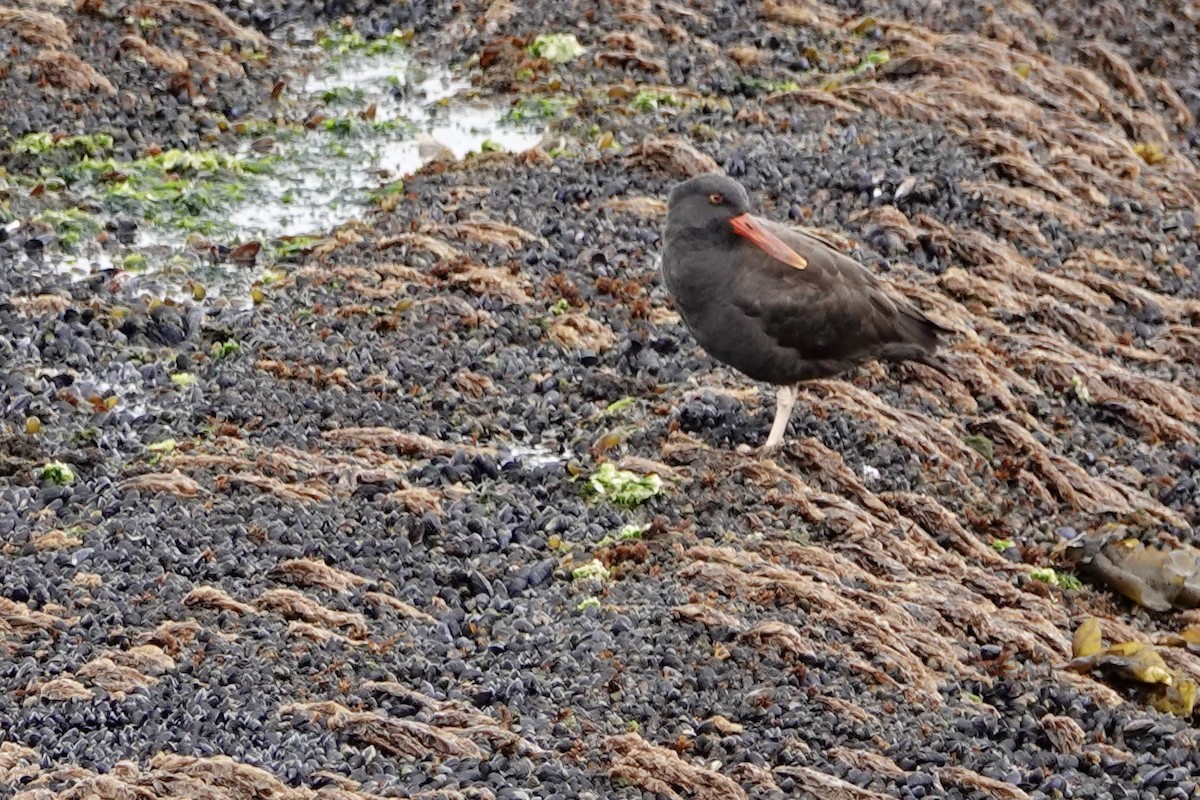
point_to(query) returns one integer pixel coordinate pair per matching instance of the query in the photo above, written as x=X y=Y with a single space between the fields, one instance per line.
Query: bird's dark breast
x=729 y=335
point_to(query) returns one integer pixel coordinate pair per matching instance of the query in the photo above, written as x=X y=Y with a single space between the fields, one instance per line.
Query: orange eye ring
x=716 y=199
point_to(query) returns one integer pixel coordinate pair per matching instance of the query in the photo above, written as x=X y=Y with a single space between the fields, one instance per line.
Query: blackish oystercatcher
x=775 y=303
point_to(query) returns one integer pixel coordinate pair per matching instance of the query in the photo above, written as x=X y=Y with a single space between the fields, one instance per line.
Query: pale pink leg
x=785 y=399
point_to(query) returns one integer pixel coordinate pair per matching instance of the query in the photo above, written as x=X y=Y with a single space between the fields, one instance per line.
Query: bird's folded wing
x=834 y=310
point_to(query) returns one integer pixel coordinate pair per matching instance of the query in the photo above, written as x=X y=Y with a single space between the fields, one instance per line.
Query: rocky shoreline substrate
x=353 y=539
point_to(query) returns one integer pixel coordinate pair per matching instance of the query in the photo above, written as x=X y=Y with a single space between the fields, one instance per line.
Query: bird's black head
x=707 y=201
x=714 y=210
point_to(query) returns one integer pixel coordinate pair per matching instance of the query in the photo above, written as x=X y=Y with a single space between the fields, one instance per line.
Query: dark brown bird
x=775 y=303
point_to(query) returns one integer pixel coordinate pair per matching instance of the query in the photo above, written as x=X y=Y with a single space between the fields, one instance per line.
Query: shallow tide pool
x=325 y=176
x=373 y=117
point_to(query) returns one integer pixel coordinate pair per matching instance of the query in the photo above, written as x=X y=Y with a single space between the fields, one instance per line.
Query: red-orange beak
x=748 y=227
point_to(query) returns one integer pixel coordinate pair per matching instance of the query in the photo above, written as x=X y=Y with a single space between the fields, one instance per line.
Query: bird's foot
x=770 y=449
x=766 y=451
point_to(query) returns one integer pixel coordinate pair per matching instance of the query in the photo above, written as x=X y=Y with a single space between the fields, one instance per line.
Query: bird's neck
x=699 y=237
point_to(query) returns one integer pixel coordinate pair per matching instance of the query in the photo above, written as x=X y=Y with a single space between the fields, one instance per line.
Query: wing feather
x=834 y=310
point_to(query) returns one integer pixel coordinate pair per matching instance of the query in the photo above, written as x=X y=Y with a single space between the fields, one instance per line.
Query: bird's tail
x=917 y=339
x=917 y=329
x=933 y=360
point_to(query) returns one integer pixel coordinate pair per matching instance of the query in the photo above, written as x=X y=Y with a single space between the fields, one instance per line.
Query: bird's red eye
x=716 y=199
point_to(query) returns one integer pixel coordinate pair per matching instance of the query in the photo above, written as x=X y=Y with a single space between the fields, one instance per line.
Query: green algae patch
x=647 y=100
x=288 y=247
x=226 y=349
x=539 y=107
x=1062 y=580
x=58 y=473
x=187 y=190
x=70 y=225
x=342 y=39
x=588 y=602
x=622 y=487
x=754 y=85
x=628 y=533
x=557 y=48
x=42 y=142
x=592 y=570
x=981 y=445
